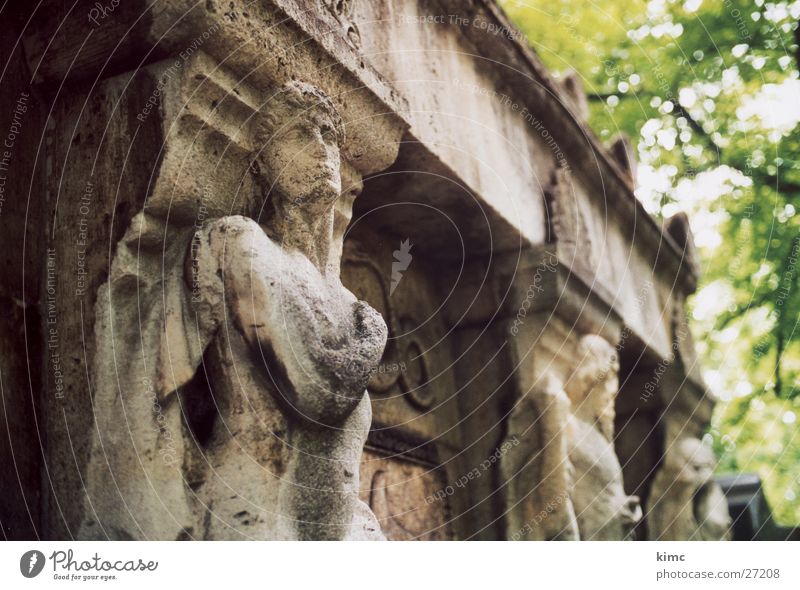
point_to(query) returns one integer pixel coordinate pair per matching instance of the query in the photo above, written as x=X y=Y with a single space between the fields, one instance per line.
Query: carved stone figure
x=253 y=358
x=575 y=488
x=602 y=509
x=685 y=501
x=179 y=358
x=568 y=228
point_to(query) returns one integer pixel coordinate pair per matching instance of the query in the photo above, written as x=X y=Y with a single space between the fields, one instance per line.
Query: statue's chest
x=317 y=311
x=592 y=454
x=300 y=295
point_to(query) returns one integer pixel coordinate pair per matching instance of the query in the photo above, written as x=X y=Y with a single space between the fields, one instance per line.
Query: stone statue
x=602 y=509
x=254 y=358
x=577 y=481
x=685 y=501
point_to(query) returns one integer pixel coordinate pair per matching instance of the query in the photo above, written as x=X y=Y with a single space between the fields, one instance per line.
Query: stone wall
x=208 y=203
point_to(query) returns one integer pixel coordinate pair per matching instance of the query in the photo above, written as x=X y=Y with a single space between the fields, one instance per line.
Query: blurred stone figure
x=685 y=501
x=576 y=490
x=271 y=353
x=711 y=511
x=537 y=473
x=602 y=509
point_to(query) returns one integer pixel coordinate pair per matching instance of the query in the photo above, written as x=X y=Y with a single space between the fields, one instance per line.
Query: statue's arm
x=557 y=473
x=244 y=264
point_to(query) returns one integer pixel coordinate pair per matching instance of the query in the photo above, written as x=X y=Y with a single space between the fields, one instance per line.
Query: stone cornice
x=263 y=44
x=591 y=159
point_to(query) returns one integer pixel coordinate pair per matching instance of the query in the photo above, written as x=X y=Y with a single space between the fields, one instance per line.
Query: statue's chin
x=321 y=195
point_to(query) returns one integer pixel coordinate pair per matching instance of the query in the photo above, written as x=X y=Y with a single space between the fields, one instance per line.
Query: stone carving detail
x=344 y=13
x=236 y=406
x=212 y=378
x=685 y=502
x=397 y=494
x=415 y=425
x=567 y=225
x=404 y=363
x=574 y=95
x=623 y=154
x=680 y=230
x=574 y=490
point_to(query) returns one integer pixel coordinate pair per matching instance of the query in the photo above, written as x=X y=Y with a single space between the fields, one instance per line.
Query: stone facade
x=300 y=269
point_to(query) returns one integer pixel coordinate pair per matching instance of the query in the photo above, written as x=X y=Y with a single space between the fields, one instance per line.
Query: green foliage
x=751 y=436
x=710 y=90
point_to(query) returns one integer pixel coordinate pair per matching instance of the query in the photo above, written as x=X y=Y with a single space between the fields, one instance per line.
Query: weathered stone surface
x=685 y=501
x=286 y=350
x=575 y=96
x=406 y=498
x=567 y=485
x=239 y=204
x=622 y=151
x=23 y=326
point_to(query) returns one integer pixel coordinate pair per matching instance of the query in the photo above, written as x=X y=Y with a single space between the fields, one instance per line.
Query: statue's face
x=692 y=460
x=596 y=374
x=303 y=161
x=609 y=374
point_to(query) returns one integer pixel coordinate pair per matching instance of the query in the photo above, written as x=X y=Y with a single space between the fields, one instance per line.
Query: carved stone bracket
x=163 y=460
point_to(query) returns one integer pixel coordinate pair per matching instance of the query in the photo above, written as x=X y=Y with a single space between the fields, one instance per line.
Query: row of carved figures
x=251 y=308
x=565 y=480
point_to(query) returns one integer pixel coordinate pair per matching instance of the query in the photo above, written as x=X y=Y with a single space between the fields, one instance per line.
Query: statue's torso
x=331 y=339
x=598 y=497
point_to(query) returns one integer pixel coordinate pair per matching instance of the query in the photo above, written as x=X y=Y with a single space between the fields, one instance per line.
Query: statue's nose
x=633 y=508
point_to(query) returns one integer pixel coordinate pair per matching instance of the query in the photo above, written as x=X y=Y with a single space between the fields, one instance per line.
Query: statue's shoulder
x=241 y=236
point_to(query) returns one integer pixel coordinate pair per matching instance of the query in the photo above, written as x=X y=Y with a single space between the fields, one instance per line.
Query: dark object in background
x=752 y=517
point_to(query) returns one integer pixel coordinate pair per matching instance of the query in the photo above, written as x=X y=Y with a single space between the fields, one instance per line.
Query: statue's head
x=596 y=365
x=629 y=516
x=593 y=382
x=690 y=461
x=299 y=136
